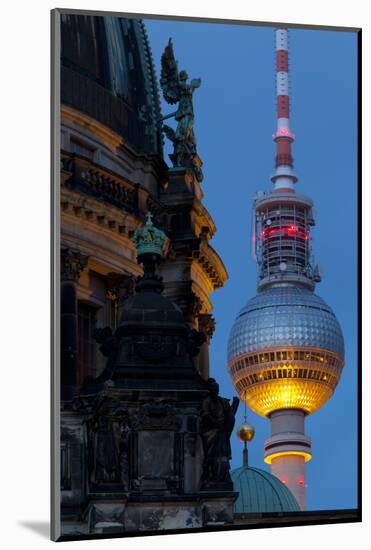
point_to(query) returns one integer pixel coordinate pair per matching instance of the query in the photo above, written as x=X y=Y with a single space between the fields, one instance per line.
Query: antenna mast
x=284 y=177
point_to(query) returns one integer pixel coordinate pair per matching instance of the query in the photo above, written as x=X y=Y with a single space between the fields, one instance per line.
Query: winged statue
x=177 y=89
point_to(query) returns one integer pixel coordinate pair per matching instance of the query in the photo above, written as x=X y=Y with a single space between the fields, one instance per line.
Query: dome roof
x=108 y=73
x=285 y=315
x=153 y=345
x=261 y=492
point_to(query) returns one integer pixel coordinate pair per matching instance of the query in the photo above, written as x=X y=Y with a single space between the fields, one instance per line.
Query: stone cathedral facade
x=135 y=380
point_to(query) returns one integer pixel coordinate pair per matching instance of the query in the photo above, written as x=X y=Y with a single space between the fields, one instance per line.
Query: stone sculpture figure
x=109 y=448
x=176 y=89
x=217 y=422
x=105 y=466
x=121 y=431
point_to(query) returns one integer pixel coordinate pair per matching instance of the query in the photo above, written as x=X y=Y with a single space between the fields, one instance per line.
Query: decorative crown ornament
x=245 y=432
x=150 y=240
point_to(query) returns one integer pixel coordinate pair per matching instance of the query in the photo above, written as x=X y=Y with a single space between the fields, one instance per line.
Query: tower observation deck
x=286 y=349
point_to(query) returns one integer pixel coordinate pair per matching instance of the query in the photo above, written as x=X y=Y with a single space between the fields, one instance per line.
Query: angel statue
x=176 y=89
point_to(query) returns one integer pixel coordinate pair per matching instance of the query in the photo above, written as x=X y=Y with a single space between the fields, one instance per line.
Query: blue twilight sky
x=234 y=122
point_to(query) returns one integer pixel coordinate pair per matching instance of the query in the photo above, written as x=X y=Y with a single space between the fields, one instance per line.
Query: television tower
x=286 y=349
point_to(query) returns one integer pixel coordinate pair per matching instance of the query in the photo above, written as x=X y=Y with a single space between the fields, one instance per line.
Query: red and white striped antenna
x=284 y=177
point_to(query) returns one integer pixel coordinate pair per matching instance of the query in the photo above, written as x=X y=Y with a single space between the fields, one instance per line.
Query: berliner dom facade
x=136 y=273
x=112 y=173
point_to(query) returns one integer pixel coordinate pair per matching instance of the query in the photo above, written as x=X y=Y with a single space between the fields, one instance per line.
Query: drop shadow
x=42 y=528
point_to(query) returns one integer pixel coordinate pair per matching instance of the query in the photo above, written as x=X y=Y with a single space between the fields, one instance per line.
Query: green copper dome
x=261 y=492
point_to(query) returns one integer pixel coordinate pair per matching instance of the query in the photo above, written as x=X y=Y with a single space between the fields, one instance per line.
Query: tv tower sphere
x=286 y=348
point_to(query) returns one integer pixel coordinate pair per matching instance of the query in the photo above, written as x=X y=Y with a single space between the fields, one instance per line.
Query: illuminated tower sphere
x=286 y=349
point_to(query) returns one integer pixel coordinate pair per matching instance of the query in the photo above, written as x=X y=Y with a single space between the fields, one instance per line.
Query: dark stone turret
x=153 y=344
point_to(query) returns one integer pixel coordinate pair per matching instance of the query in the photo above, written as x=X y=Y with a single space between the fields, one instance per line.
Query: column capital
x=72 y=264
x=206 y=324
x=194 y=305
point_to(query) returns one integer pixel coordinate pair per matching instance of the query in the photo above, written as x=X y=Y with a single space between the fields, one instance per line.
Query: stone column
x=72 y=263
x=206 y=324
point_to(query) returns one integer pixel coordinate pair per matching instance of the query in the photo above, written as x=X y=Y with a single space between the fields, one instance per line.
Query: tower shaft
x=290 y=469
x=287 y=450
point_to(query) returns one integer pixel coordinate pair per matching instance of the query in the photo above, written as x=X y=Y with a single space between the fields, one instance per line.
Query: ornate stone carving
x=103 y=452
x=97 y=182
x=108 y=341
x=109 y=448
x=122 y=432
x=119 y=286
x=206 y=324
x=112 y=513
x=149 y=239
x=156 y=416
x=195 y=341
x=72 y=264
x=97 y=212
x=194 y=305
x=155 y=207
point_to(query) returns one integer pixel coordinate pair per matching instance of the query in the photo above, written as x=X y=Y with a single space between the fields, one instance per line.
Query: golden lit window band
x=269 y=396
x=291 y=371
x=302 y=378
x=299 y=356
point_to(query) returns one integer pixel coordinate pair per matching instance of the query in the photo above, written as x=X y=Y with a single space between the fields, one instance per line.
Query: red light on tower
x=300 y=480
x=288 y=230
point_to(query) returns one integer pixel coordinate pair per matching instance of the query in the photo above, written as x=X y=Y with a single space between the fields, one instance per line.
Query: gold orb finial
x=245 y=432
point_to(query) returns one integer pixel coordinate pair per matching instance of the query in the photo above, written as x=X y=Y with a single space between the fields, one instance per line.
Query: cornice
x=107 y=217
x=110 y=138
x=103 y=261
x=211 y=264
